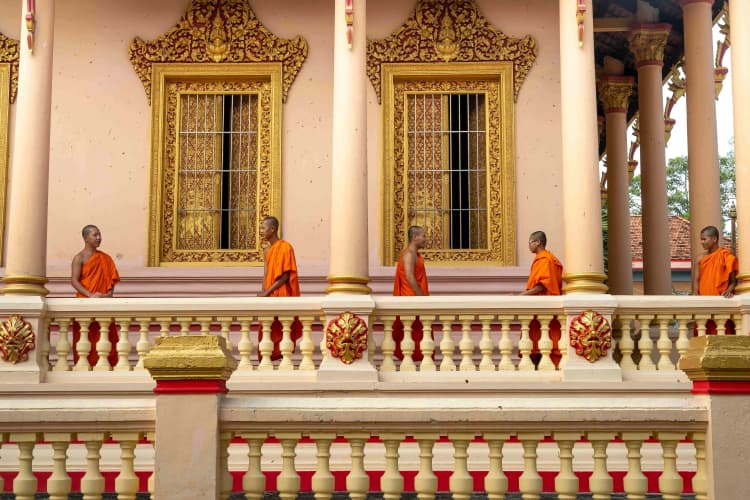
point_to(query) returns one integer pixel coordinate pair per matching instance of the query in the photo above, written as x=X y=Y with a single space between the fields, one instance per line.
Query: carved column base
x=743 y=284
x=24 y=284
x=348 y=284
x=585 y=283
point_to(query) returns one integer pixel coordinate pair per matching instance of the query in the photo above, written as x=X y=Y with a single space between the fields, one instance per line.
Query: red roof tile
x=679 y=238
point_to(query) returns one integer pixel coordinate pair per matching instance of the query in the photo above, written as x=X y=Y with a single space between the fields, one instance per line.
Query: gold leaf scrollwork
x=450 y=31
x=590 y=335
x=16 y=339
x=9 y=53
x=214 y=31
x=346 y=337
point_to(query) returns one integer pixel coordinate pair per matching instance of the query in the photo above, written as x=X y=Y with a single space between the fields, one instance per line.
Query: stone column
x=584 y=260
x=26 y=266
x=739 y=12
x=719 y=367
x=647 y=43
x=348 y=268
x=614 y=92
x=703 y=149
x=190 y=374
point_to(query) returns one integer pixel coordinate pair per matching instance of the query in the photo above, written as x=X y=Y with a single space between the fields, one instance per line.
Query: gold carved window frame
x=162 y=219
x=500 y=188
x=5 y=93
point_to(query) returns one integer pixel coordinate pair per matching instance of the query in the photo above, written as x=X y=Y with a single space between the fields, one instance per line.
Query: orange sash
x=280 y=259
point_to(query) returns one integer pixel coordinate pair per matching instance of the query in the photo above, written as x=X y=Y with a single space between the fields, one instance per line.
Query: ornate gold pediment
x=450 y=31
x=9 y=54
x=219 y=31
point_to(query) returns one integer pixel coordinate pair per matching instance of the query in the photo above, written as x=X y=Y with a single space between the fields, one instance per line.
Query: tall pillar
x=584 y=260
x=348 y=268
x=647 y=43
x=29 y=176
x=703 y=149
x=614 y=92
x=739 y=13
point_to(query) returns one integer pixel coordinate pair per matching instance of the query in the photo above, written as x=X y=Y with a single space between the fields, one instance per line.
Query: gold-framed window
x=5 y=83
x=449 y=161
x=215 y=161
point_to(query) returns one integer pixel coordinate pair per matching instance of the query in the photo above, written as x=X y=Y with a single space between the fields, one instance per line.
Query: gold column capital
x=647 y=42
x=614 y=93
x=190 y=357
x=717 y=358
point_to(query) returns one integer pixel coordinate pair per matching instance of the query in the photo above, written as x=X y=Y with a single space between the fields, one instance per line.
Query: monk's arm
x=276 y=284
x=534 y=290
x=729 y=292
x=410 y=260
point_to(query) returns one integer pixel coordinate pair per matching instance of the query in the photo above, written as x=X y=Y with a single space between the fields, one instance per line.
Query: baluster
x=447 y=346
x=505 y=345
x=407 y=346
x=92 y=482
x=495 y=482
x=44 y=347
x=103 y=345
x=265 y=346
x=721 y=324
x=461 y=483
x=151 y=436
x=645 y=344
x=392 y=482
x=59 y=483
x=143 y=346
x=307 y=346
x=245 y=346
x=25 y=483
x=530 y=482
x=286 y=346
x=545 y=344
x=357 y=481
x=225 y=478
x=700 y=480
x=562 y=344
x=324 y=349
x=701 y=320
x=485 y=344
x=683 y=342
x=670 y=481
x=63 y=346
x=635 y=482
x=164 y=324
x=371 y=347
x=566 y=482
x=525 y=345
x=600 y=482
x=185 y=324
x=425 y=482
x=126 y=483
x=83 y=347
x=626 y=343
x=322 y=480
x=226 y=323
x=123 y=346
x=254 y=481
x=664 y=345
x=466 y=345
x=427 y=345
x=388 y=346
x=288 y=481
x=205 y=323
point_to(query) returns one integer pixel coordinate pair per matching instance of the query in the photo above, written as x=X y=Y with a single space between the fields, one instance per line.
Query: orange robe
x=401 y=288
x=98 y=274
x=547 y=270
x=280 y=259
x=715 y=269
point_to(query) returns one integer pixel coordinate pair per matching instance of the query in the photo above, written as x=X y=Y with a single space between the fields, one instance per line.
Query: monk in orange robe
x=715 y=272
x=410 y=280
x=279 y=279
x=545 y=278
x=93 y=274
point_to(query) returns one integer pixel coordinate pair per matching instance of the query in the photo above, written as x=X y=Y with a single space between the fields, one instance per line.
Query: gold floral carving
x=16 y=339
x=219 y=31
x=590 y=335
x=450 y=31
x=614 y=94
x=647 y=43
x=9 y=53
x=346 y=337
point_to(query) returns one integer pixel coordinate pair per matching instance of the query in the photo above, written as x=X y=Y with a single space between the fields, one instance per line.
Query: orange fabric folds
x=98 y=274
x=547 y=270
x=401 y=284
x=280 y=259
x=715 y=269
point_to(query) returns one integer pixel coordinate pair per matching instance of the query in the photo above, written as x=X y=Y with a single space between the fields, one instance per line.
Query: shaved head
x=710 y=231
x=540 y=237
x=413 y=231
x=87 y=229
x=273 y=221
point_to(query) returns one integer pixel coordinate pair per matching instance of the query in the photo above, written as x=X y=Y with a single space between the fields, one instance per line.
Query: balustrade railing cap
x=190 y=357
x=718 y=358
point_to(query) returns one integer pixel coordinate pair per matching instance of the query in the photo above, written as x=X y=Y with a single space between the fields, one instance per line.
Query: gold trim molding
x=9 y=53
x=450 y=31
x=24 y=284
x=717 y=357
x=219 y=31
x=585 y=283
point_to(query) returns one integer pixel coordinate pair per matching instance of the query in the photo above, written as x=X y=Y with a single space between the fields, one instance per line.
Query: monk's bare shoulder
x=82 y=257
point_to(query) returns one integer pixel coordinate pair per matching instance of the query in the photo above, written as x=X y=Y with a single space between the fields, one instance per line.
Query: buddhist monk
x=715 y=274
x=93 y=274
x=545 y=278
x=279 y=279
x=410 y=280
